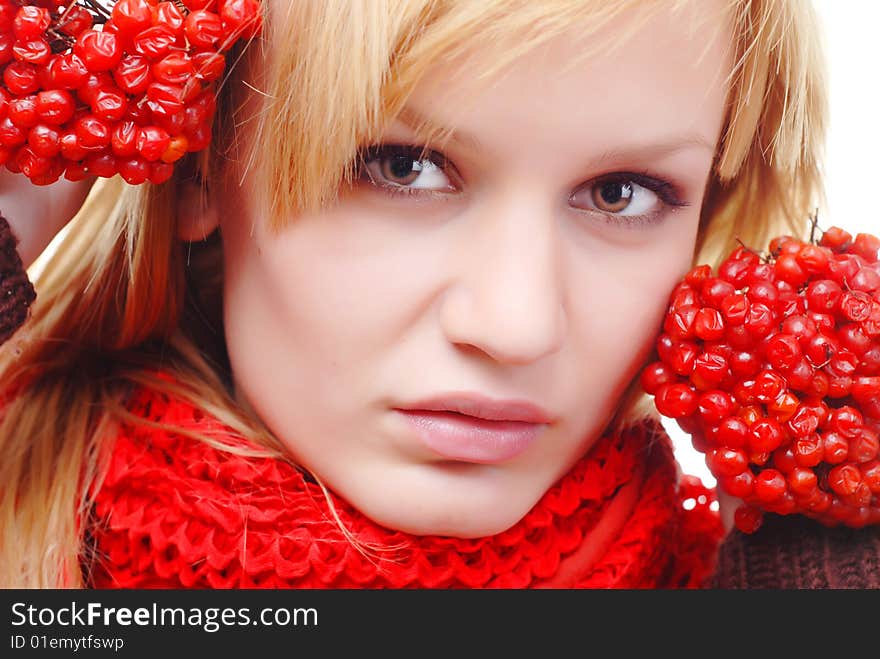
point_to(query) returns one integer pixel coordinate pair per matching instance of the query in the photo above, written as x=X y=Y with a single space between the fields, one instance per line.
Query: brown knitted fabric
x=793 y=552
x=16 y=290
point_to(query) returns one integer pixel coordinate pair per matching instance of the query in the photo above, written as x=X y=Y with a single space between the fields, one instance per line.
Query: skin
x=515 y=284
x=37 y=213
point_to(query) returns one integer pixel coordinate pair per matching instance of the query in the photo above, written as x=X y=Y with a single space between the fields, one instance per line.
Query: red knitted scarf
x=173 y=512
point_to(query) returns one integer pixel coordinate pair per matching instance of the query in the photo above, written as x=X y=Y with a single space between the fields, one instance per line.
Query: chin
x=422 y=519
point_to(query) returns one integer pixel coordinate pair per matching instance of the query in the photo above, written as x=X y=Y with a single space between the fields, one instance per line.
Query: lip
x=470 y=439
x=483 y=407
x=475 y=428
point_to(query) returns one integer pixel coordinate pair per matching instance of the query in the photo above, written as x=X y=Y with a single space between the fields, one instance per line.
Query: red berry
x=855 y=306
x=101 y=164
x=175 y=68
x=55 y=106
x=836 y=239
x=867 y=246
x=802 y=481
x=741 y=485
x=866 y=280
x=154 y=42
x=35 y=51
x=169 y=15
x=71 y=149
x=863 y=447
x=733 y=432
x=129 y=17
x=99 y=51
x=766 y=435
x=177 y=148
x=134 y=170
x=75 y=21
x=10 y=134
x=782 y=353
x=845 y=479
x=770 y=485
x=133 y=74
x=804 y=422
x=679 y=322
x=208 y=65
x=748 y=519
x=165 y=98
x=813 y=259
x=44 y=140
x=655 y=375
x=835 y=448
x=160 y=172
x=676 y=400
x=91 y=132
x=21 y=78
x=152 y=142
x=760 y=320
x=715 y=405
x=727 y=461
x=847 y=421
x=708 y=324
x=110 y=105
x=23 y=111
x=68 y=71
x=204 y=29
x=30 y=22
x=241 y=18
x=123 y=140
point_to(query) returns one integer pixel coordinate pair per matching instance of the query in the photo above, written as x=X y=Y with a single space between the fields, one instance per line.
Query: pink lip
x=483 y=407
x=476 y=428
x=461 y=437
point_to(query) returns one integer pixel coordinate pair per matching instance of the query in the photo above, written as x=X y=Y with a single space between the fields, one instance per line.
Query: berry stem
x=98 y=7
x=750 y=250
x=182 y=7
x=60 y=41
x=814 y=224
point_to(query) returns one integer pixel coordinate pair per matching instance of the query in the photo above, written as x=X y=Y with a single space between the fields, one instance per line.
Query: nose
x=508 y=298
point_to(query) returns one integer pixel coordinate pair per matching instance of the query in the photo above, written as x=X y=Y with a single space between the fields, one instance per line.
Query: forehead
x=658 y=74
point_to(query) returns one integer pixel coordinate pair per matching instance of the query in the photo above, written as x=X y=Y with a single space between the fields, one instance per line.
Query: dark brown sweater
x=16 y=291
x=792 y=551
x=786 y=553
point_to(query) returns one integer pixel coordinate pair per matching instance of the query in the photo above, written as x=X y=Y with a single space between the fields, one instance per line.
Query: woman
x=424 y=208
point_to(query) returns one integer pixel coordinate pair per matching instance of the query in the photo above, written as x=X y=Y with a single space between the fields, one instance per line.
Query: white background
x=852 y=170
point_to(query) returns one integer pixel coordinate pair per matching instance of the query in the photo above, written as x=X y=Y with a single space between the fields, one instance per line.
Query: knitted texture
x=16 y=290
x=794 y=552
x=174 y=512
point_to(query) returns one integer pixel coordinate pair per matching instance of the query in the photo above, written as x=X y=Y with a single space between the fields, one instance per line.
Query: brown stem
x=65 y=17
x=181 y=7
x=60 y=41
x=814 y=224
x=750 y=250
x=99 y=8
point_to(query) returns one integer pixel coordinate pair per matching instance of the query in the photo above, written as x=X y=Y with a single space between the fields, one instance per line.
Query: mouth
x=462 y=437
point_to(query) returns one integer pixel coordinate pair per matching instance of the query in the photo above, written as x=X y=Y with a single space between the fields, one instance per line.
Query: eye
x=627 y=197
x=406 y=169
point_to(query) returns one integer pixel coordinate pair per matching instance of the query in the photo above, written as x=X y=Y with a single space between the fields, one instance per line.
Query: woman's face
x=531 y=260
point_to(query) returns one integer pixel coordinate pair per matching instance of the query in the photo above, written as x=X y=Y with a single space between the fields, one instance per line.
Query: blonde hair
x=121 y=295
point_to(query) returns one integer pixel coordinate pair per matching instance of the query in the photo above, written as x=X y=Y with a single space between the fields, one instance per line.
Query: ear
x=197 y=215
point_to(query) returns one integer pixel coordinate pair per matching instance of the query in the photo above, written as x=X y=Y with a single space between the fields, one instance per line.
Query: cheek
x=623 y=297
x=314 y=307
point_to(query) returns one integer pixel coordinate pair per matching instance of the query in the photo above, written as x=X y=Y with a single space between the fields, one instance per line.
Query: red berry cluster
x=773 y=367
x=127 y=90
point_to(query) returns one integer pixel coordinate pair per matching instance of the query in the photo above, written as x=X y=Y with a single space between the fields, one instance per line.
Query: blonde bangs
x=343 y=69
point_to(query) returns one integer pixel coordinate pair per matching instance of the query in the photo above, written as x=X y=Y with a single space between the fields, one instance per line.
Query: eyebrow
x=413 y=119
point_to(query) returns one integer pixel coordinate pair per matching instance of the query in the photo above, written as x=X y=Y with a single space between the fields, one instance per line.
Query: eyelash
x=664 y=190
